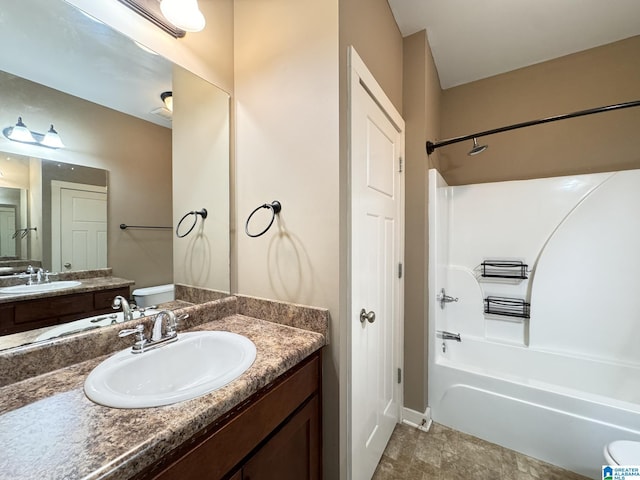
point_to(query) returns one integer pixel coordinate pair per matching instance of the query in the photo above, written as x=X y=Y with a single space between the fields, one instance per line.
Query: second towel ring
x=275 y=207
x=195 y=214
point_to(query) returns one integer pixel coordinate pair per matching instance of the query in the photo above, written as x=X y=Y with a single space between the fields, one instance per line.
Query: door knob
x=369 y=317
x=67 y=265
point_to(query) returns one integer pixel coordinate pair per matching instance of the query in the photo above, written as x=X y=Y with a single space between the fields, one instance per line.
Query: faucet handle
x=138 y=331
x=174 y=328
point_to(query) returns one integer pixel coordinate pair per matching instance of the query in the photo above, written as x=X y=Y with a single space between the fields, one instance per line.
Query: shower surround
x=564 y=382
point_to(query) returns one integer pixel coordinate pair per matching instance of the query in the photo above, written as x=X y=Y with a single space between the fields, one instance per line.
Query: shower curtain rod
x=431 y=146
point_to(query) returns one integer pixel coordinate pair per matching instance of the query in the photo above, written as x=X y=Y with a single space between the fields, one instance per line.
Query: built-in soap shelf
x=502 y=271
x=507 y=307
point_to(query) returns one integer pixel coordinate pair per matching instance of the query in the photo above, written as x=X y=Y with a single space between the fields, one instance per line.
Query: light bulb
x=52 y=139
x=20 y=133
x=184 y=14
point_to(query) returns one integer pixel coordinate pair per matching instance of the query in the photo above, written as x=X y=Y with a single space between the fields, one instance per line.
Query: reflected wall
x=137 y=155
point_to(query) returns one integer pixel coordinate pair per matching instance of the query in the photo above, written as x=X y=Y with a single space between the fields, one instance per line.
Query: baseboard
x=421 y=421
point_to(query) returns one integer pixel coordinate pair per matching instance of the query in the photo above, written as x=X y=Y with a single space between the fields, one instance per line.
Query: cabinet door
x=293 y=453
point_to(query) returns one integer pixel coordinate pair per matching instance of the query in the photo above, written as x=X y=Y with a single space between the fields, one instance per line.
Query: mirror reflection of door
x=8 y=237
x=80 y=213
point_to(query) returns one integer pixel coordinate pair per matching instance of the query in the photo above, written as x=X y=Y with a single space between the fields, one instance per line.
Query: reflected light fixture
x=184 y=14
x=52 y=139
x=20 y=133
x=167 y=99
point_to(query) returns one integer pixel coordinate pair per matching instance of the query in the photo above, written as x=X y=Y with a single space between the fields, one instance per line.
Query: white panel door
x=83 y=229
x=376 y=223
x=7 y=232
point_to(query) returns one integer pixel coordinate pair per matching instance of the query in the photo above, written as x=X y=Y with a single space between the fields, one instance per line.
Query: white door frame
x=359 y=74
x=56 y=187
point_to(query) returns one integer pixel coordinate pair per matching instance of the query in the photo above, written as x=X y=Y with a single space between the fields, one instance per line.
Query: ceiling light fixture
x=20 y=133
x=167 y=99
x=184 y=14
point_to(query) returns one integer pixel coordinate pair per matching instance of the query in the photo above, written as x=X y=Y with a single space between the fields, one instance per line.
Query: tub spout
x=448 y=335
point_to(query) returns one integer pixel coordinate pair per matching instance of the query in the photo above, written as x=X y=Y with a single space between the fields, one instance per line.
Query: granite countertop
x=50 y=429
x=86 y=285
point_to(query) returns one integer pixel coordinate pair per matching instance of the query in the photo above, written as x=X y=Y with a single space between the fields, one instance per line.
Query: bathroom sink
x=40 y=287
x=197 y=363
x=88 y=323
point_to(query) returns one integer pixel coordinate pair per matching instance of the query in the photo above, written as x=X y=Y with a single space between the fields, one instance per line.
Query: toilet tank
x=148 y=296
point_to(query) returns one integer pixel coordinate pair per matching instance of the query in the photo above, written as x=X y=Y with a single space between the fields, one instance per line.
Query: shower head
x=476 y=149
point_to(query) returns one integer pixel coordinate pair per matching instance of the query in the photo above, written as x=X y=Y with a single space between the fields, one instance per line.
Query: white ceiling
x=474 y=39
x=53 y=43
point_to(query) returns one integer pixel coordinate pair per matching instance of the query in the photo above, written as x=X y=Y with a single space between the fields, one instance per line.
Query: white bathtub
x=558 y=408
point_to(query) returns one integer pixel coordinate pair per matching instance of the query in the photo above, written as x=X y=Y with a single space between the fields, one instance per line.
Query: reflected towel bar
x=124 y=226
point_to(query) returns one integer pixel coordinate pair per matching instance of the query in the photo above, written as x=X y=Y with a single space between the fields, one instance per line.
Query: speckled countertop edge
x=49 y=429
x=86 y=285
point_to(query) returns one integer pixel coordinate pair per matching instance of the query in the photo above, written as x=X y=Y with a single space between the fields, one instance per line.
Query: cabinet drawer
x=6 y=319
x=219 y=452
x=35 y=310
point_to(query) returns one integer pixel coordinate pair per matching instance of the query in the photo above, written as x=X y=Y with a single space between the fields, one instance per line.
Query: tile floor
x=446 y=454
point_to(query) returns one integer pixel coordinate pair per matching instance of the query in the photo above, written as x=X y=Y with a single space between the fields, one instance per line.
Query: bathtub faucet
x=443 y=298
x=448 y=335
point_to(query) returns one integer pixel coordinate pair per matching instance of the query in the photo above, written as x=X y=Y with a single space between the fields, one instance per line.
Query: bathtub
x=558 y=408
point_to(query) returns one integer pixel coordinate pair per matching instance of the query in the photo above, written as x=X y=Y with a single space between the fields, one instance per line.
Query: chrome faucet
x=158 y=338
x=172 y=325
x=30 y=272
x=40 y=275
x=120 y=301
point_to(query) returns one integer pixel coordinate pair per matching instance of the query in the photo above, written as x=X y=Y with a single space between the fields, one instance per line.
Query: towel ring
x=203 y=213
x=275 y=207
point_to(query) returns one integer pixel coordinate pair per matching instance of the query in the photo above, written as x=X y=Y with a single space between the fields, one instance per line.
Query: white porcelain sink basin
x=40 y=287
x=88 y=323
x=197 y=363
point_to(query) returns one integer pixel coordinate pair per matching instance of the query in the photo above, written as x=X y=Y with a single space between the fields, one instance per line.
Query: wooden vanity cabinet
x=23 y=315
x=275 y=434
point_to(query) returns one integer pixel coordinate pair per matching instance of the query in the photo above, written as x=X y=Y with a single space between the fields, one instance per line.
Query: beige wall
x=602 y=142
x=200 y=180
x=136 y=153
x=369 y=26
x=286 y=101
x=422 y=96
x=290 y=105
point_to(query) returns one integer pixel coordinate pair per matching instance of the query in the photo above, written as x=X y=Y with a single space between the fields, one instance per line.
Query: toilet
x=149 y=296
x=622 y=452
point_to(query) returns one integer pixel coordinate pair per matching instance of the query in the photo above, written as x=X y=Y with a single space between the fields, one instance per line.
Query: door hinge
x=400 y=170
x=399 y=375
x=400 y=270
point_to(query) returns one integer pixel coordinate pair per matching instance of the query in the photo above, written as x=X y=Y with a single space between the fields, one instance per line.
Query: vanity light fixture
x=150 y=10
x=184 y=14
x=167 y=99
x=52 y=139
x=20 y=133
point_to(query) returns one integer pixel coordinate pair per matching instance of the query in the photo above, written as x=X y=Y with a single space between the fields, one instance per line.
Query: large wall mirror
x=102 y=92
